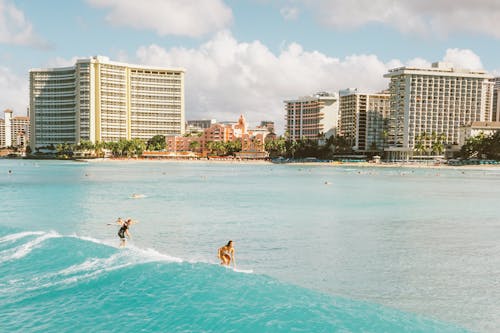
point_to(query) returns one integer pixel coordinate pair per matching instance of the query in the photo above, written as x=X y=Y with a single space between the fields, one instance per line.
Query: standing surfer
x=226 y=254
x=124 y=230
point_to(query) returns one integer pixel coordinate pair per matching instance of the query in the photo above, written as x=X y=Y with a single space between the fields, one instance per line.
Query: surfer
x=226 y=254
x=124 y=226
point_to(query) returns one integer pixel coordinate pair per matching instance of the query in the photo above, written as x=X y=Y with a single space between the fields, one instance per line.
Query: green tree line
x=121 y=148
x=482 y=145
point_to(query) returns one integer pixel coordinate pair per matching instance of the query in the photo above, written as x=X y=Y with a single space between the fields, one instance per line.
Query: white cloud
x=419 y=62
x=61 y=62
x=423 y=17
x=289 y=13
x=168 y=17
x=16 y=29
x=14 y=90
x=463 y=59
x=225 y=78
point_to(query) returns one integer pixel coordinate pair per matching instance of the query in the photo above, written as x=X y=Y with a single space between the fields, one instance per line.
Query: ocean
x=318 y=248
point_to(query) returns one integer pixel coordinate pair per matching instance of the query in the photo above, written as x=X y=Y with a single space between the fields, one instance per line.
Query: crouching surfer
x=226 y=254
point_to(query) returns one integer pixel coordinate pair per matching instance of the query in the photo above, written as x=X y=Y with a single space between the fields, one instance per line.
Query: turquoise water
x=370 y=250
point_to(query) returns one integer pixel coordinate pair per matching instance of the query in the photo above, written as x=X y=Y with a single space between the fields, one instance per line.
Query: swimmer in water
x=226 y=254
x=124 y=226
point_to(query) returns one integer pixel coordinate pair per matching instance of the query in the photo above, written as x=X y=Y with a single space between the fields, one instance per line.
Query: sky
x=248 y=56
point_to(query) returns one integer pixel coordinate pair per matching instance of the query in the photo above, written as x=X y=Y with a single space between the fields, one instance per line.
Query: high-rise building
x=100 y=100
x=20 y=131
x=312 y=117
x=268 y=124
x=198 y=126
x=2 y=133
x=14 y=130
x=362 y=119
x=438 y=101
x=495 y=116
x=8 y=127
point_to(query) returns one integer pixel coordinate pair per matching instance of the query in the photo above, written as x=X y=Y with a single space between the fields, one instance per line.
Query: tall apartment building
x=310 y=117
x=438 y=100
x=20 y=131
x=362 y=119
x=268 y=124
x=101 y=101
x=8 y=128
x=2 y=133
x=14 y=130
x=495 y=116
x=197 y=126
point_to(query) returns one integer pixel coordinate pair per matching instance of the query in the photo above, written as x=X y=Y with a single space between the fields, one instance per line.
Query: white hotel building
x=438 y=100
x=362 y=119
x=102 y=101
x=310 y=117
x=14 y=130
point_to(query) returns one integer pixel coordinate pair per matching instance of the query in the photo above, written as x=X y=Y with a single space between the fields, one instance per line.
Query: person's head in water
x=230 y=243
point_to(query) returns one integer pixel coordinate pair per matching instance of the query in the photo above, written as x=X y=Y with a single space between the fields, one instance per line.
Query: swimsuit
x=121 y=232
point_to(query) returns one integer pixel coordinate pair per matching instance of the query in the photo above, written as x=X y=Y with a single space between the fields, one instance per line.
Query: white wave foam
x=94 y=267
x=246 y=271
x=151 y=255
x=217 y=263
x=24 y=249
x=13 y=237
x=148 y=254
x=106 y=242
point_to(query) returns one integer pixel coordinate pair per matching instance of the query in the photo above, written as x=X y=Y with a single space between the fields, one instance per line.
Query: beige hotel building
x=440 y=100
x=309 y=117
x=362 y=118
x=14 y=130
x=102 y=101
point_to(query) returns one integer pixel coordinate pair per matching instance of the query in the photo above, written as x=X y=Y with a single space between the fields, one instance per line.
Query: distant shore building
x=476 y=128
x=437 y=100
x=496 y=100
x=14 y=130
x=312 y=117
x=268 y=124
x=197 y=126
x=252 y=140
x=362 y=119
x=101 y=101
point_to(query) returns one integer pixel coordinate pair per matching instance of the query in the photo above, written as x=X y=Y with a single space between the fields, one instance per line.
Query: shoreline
x=409 y=165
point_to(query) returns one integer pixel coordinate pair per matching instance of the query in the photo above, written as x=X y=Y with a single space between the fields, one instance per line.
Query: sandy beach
x=410 y=165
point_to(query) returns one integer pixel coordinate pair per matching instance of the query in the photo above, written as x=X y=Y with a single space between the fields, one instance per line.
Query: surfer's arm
x=234 y=258
x=128 y=234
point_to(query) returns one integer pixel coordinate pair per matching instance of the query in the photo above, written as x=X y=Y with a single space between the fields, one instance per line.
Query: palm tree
x=194 y=145
x=216 y=147
x=99 y=146
x=420 y=147
x=157 y=143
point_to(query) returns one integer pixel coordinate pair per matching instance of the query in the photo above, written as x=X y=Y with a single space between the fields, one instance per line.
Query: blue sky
x=247 y=56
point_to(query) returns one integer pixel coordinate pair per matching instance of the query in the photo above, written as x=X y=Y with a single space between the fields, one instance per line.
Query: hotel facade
x=438 y=100
x=103 y=101
x=496 y=102
x=14 y=130
x=362 y=119
x=310 y=117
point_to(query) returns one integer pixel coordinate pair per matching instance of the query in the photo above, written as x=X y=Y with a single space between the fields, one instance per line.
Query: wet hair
x=229 y=243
